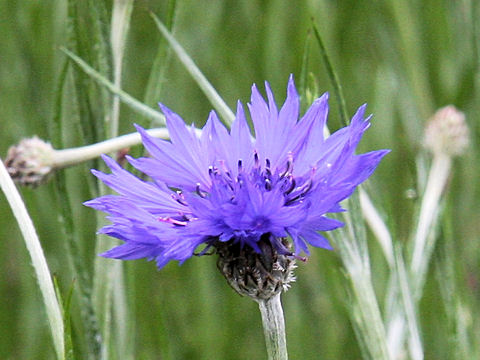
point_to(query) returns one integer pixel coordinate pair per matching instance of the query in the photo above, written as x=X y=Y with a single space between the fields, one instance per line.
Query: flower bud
x=447 y=132
x=30 y=162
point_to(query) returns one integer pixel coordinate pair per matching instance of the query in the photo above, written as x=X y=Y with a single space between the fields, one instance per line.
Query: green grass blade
x=157 y=74
x=52 y=306
x=55 y=129
x=127 y=99
x=337 y=87
x=351 y=242
x=66 y=313
x=304 y=69
x=77 y=41
x=99 y=43
x=87 y=312
x=121 y=14
x=207 y=88
x=120 y=24
x=414 y=341
x=90 y=324
x=411 y=51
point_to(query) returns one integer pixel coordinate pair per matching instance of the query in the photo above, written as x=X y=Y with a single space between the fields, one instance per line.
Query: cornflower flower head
x=257 y=201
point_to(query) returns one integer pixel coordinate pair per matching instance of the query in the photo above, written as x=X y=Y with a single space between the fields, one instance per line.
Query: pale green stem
x=354 y=253
x=437 y=179
x=415 y=344
x=39 y=262
x=377 y=225
x=350 y=242
x=369 y=317
x=423 y=243
x=73 y=156
x=274 y=328
x=374 y=220
x=121 y=310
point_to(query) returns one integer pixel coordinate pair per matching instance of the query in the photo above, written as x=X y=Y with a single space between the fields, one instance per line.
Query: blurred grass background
x=404 y=58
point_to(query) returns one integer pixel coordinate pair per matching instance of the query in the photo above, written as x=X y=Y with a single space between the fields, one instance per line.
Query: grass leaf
x=133 y=103
x=209 y=91
x=39 y=262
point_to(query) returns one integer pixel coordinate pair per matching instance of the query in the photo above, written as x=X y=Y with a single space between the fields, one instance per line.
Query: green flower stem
x=350 y=242
x=424 y=241
x=39 y=262
x=73 y=156
x=414 y=342
x=437 y=179
x=274 y=328
x=378 y=226
x=367 y=314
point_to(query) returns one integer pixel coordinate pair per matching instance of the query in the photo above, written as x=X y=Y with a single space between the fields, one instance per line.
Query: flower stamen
x=268 y=184
x=173 y=221
x=180 y=198
x=289 y=168
x=301 y=192
x=290 y=179
x=256 y=159
x=202 y=194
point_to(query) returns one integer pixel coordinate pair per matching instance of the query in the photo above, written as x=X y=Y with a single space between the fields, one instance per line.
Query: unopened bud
x=447 y=132
x=30 y=162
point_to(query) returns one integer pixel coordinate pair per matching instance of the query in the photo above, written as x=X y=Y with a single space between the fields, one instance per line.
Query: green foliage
x=403 y=58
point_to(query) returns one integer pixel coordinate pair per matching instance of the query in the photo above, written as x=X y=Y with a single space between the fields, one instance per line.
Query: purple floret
x=226 y=185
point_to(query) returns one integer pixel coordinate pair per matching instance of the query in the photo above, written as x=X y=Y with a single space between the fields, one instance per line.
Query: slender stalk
x=409 y=305
x=73 y=156
x=368 y=316
x=353 y=249
x=377 y=225
x=274 y=328
x=424 y=241
x=39 y=262
x=350 y=242
x=437 y=179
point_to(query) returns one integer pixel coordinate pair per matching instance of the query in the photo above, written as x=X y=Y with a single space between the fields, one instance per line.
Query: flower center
x=294 y=189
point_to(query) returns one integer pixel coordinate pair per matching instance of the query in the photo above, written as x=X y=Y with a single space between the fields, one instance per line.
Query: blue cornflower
x=217 y=187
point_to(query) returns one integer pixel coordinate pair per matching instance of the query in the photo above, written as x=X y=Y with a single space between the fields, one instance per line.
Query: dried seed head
x=257 y=275
x=447 y=132
x=30 y=162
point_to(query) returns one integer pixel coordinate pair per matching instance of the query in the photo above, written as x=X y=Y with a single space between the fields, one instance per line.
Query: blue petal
x=131 y=251
x=234 y=187
x=317 y=240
